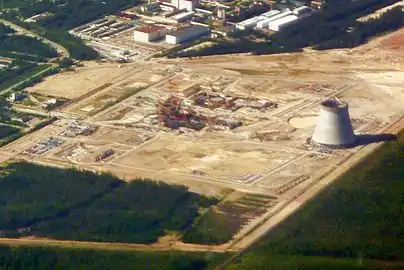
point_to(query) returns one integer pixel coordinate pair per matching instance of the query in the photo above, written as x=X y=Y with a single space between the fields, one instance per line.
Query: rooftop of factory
x=150 y=29
x=182 y=30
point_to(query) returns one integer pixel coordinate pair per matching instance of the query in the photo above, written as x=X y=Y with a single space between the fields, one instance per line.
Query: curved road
x=61 y=50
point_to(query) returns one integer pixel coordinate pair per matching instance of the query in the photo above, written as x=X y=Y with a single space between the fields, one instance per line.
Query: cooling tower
x=334 y=128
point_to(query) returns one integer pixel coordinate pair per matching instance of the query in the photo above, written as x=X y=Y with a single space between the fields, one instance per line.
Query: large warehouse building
x=149 y=33
x=186 y=33
x=282 y=23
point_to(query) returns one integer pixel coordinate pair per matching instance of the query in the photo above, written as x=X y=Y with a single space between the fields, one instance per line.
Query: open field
x=73 y=84
x=210 y=125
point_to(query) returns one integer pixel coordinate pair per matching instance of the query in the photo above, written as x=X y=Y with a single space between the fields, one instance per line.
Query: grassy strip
x=128 y=94
x=23 y=76
x=17 y=135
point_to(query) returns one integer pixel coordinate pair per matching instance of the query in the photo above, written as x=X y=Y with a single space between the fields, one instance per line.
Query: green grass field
x=219 y=224
x=357 y=223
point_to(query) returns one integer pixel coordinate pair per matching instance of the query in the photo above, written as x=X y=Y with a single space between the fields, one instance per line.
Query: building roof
x=283 y=20
x=150 y=29
x=186 y=29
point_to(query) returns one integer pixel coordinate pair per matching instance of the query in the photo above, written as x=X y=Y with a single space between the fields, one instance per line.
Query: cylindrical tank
x=334 y=128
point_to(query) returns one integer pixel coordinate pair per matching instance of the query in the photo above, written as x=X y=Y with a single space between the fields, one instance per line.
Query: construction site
x=209 y=125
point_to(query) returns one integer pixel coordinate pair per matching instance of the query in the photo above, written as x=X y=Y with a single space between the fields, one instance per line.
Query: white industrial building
x=266 y=22
x=282 y=22
x=186 y=33
x=183 y=16
x=249 y=23
x=270 y=13
x=189 y=5
x=149 y=33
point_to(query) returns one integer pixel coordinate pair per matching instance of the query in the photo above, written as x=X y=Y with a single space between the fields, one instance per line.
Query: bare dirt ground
x=267 y=154
x=73 y=84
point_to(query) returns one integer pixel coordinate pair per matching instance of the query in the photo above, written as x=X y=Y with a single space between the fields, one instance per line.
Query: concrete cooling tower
x=334 y=128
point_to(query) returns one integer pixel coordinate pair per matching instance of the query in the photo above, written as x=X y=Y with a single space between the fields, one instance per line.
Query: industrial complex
x=157 y=26
x=274 y=125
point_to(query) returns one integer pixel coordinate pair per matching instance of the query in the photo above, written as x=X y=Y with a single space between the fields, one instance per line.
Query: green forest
x=138 y=212
x=81 y=205
x=31 y=193
x=25 y=258
x=20 y=44
x=357 y=223
x=12 y=73
x=74 y=13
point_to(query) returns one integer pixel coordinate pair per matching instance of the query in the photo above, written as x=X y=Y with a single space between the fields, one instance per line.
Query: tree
x=5 y=110
x=65 y=62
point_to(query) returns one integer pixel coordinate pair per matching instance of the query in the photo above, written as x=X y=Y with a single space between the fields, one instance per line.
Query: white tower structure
x=334 y=128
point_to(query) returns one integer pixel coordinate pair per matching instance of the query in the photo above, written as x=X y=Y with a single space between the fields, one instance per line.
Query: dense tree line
x=363 y=31
x=27 y=45
x=31 y=193
x=6 y=131
x=138 y=212
x=331 y=23
x=87 y=206
x=5 y=30
x=74 y=13
x=335 y=26
x=27 y=258
x=15 y=69
x=22 y=56
x=75 y=46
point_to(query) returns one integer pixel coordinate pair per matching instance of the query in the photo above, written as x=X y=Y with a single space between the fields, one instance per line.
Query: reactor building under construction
x=334 y=128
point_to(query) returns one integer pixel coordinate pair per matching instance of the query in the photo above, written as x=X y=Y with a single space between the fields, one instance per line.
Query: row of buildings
x=274 y=20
